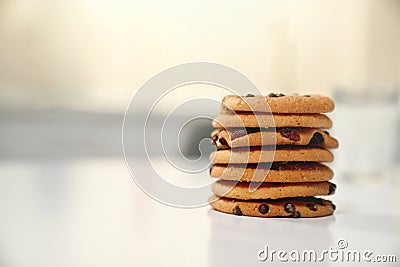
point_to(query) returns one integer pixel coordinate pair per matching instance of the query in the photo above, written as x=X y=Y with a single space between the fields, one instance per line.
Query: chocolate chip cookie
x=242 y=190
x=267 y=154
x=279 y=103
x=280 y=172
x=305 y=207
x=242 y=137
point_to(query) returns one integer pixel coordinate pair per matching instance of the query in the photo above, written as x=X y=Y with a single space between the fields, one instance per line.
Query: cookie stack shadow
x=270 y=156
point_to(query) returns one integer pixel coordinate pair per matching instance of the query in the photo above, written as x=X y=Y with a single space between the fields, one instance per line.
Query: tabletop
x=90 y=212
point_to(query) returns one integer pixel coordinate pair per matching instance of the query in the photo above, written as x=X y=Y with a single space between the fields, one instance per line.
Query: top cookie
x=279 y=103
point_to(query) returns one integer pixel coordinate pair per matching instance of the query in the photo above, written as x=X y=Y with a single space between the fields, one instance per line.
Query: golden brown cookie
x=250 y=120
x=286 y=207
x=241 y=137
x=256 y=155
x=278 y=172
x=241 y=190
x=279 y=103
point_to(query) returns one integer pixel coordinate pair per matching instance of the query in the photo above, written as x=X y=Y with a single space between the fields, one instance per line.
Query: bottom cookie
x=307 y=207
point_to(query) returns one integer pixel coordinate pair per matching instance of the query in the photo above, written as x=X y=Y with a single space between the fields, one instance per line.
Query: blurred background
x=68 y=70
x=76 y=64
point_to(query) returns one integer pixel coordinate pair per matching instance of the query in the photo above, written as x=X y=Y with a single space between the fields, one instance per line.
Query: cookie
x=307 y=207
x=279 y=103
x=277 y=172
x=250 y=120
x=241 y=137
x=241 y=190
x=257 y=154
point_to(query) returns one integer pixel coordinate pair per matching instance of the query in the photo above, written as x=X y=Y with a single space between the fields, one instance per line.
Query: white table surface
x=89 y=212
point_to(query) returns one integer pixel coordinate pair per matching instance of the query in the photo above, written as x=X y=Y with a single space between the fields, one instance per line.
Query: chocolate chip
x=250 y=95
x=263 y=208
x=317 y=139
x=307 y=95
x=312 y=206
x=223 y=141
x=237 y=211
x=215 y=138
x=285 y=132
x=333 y=206
x=326 y=132
x=275 y=167
x=237 y=133
x=290 y=133
x=294 y=136
x=275 y=95
x=332 y=189
x=289 y=208
x=296 y=214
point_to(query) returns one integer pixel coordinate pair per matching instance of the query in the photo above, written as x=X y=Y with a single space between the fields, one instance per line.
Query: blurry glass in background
x=367 y=125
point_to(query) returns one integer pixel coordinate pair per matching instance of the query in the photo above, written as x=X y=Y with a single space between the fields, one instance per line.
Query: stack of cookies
x=270 y=154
